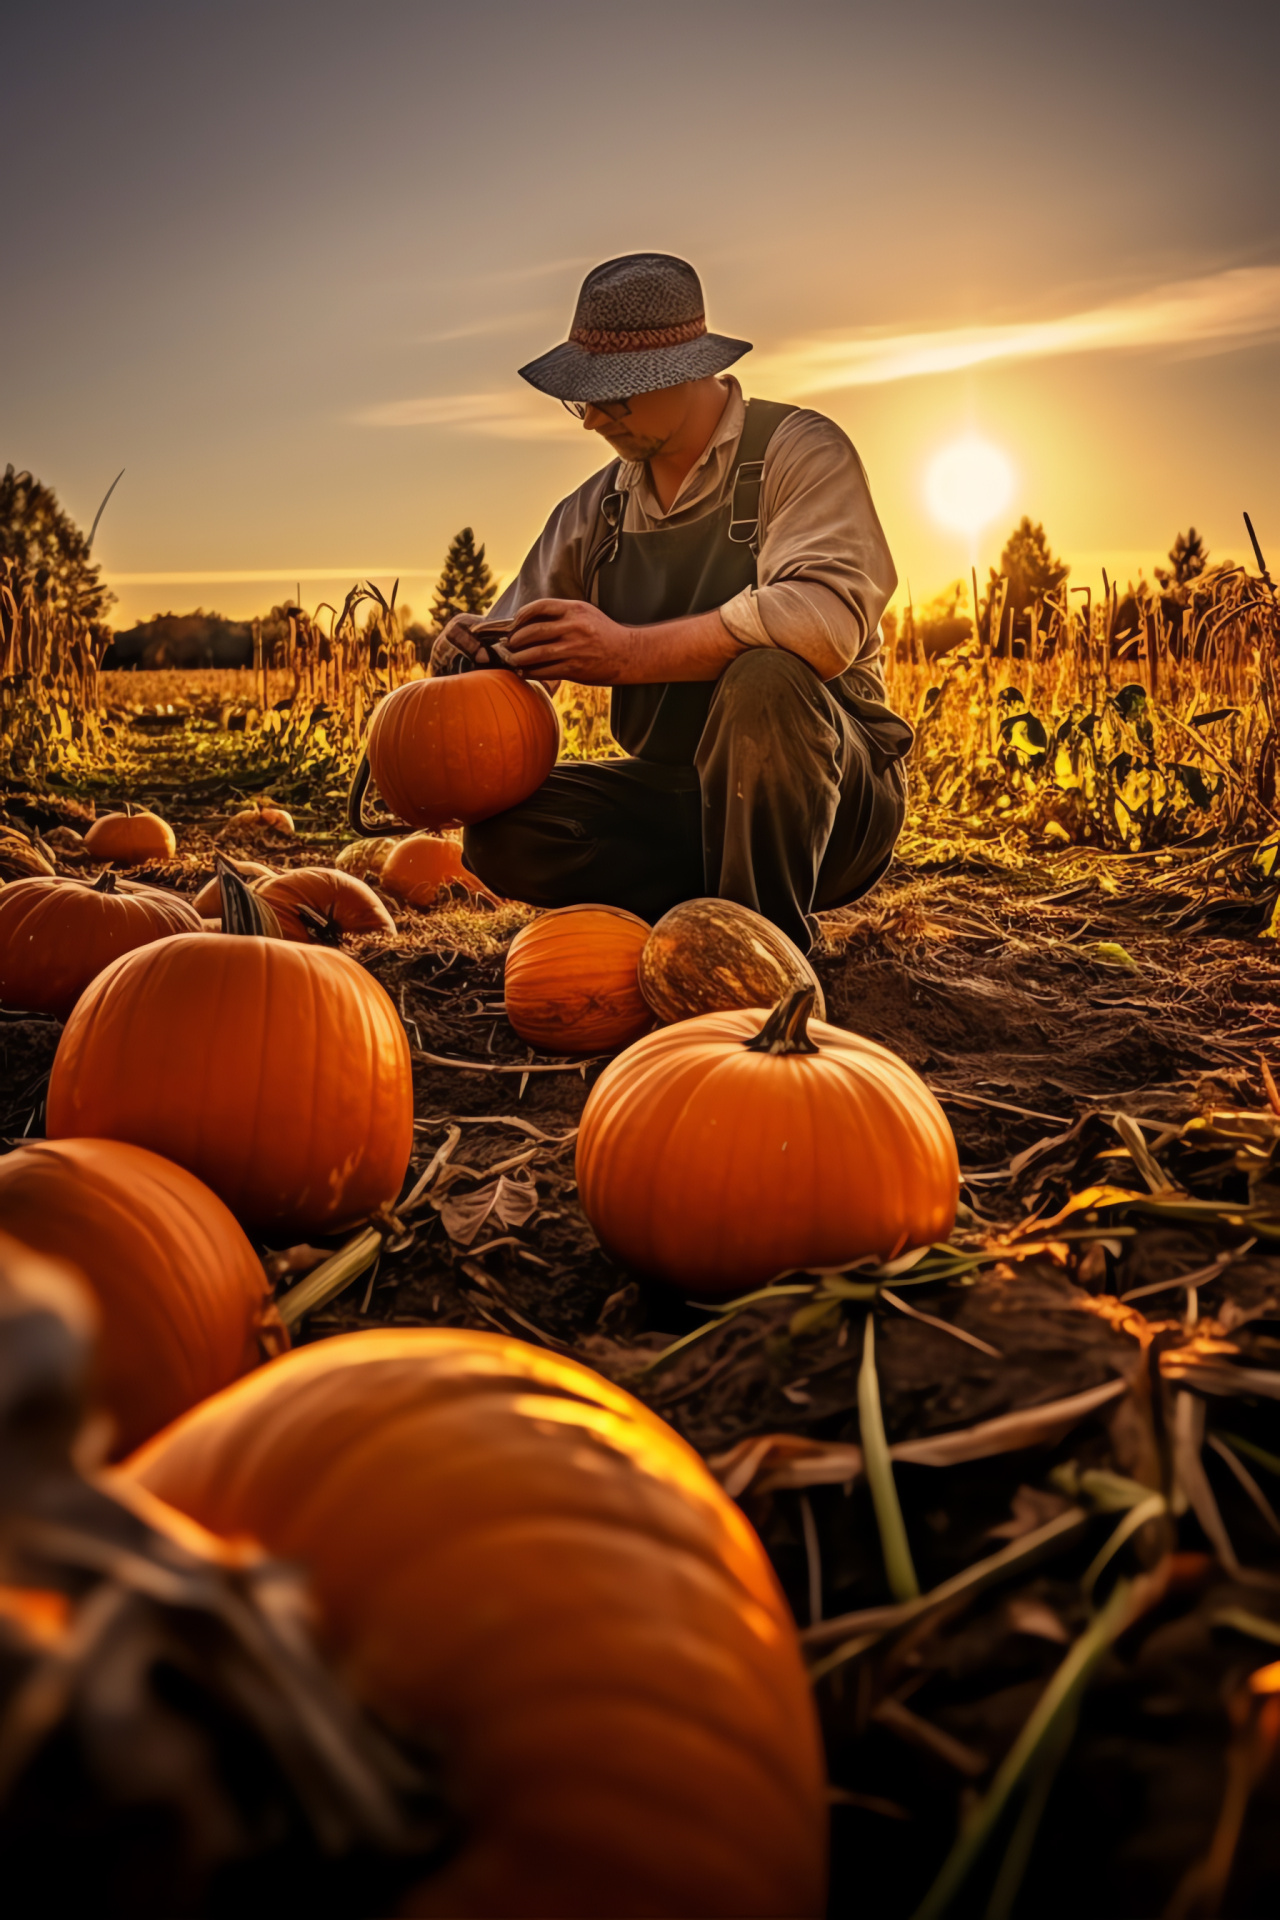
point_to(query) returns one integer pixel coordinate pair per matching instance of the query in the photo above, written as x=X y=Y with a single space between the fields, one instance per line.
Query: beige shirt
x=824 y=569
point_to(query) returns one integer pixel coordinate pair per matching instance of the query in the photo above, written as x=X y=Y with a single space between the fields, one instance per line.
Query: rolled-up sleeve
x=825 y=572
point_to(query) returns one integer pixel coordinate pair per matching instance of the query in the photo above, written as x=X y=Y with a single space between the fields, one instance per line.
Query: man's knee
x=764 y=675
x=764 y=697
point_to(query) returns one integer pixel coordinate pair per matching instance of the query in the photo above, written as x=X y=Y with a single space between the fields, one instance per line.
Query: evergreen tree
x=1188 y=558
x=41 y=539
x=1029 y=565
x=466 y=584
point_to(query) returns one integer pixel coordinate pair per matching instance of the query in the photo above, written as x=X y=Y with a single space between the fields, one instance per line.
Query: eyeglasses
x=612 y=409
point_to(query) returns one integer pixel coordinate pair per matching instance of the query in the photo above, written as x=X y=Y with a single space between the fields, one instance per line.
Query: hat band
x=637 y=339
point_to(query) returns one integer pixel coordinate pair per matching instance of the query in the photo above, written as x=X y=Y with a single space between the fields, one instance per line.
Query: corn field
x=1124 y=722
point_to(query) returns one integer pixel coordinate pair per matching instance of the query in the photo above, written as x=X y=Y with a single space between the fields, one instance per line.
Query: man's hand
x=456 y=638
x=571 y=640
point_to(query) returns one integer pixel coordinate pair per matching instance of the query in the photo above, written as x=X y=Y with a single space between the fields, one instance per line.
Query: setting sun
x=968 y=484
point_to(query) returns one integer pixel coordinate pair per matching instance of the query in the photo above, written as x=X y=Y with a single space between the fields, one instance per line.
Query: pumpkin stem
x=241 y=912
x=355 y=801
x=322 y=927
x=105 y=882
x=787 y=1028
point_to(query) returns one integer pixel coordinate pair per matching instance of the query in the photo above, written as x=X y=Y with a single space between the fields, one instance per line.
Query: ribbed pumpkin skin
x=131 y=839
x=570 y=984
x=355 y=908
x=277 y=1074
x=706 y=956
x=57 y=935
x=452 y=751
x=208 y=902
x=182 y=1293
x=509 y=1550
x=715 y=1168
x=366 y=858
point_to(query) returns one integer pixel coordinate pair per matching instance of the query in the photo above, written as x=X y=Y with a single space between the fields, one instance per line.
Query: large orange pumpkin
x=276 y=1073
x=185 y=1304
x=321 y=904
x=570 y=985
x=57 y=935
x=516 y=1558
x=131 y=839
x=451 y=751
x=723 y=1150
x=420 y=867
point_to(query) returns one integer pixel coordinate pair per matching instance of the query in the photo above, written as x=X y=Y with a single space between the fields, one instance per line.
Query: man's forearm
x=697 y=647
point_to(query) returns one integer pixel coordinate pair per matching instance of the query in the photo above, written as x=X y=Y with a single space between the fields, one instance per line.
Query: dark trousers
x=787 y=809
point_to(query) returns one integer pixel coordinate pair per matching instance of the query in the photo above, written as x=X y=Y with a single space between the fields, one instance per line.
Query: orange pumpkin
x=705 y=956
x=184 y=1299
x=208 y=902
x=570 y=984
x=321 y=904
x=366 y=858
x=724 y=1150
x=131 y=839
x=57 y=935
x=451 y=751
x=276 y=1073
x=422 y=867
x=514 y=1557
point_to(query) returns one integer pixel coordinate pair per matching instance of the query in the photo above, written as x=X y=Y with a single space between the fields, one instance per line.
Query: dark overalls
x=766 y=786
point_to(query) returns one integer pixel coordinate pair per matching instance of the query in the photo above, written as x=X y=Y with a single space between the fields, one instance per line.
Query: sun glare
x=968 y=484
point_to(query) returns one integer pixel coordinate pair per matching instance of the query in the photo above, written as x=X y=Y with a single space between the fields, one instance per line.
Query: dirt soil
x=1078 y=1016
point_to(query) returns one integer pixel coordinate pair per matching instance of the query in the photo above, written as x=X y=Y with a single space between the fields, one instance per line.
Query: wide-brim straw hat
x=640 y=324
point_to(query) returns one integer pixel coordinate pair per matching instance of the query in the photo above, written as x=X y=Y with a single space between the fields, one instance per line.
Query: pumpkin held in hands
x=451 y=751
x=721 y=1151
x=705 y=956
x=131 y=839
x=278 y=1074
x=186 y=1308
x=516 y=1558
x=569 y=984
x=58 y=935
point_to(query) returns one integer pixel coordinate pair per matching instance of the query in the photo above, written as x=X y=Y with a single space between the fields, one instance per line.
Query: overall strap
x=764 y=417
x=604 y=547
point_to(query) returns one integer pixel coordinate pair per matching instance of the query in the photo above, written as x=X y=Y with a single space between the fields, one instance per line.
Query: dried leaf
x=499 y=1203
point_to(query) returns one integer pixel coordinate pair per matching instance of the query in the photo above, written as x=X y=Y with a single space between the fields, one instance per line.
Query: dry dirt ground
x=1082 y=1387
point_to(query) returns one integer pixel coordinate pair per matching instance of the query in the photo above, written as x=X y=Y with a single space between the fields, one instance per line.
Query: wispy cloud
x=1221 y=310
x=1217 y=312
x=507 y=415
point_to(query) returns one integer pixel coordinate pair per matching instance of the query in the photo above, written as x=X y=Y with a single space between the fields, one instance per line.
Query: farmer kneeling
x=725 y=576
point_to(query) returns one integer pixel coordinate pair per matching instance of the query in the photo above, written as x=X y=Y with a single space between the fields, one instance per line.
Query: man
x=725 y=576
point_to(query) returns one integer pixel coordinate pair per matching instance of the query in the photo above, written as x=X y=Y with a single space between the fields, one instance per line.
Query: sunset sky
x=281 y=261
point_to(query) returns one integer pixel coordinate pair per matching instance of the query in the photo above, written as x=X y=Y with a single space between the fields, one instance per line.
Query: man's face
x=651 y=421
